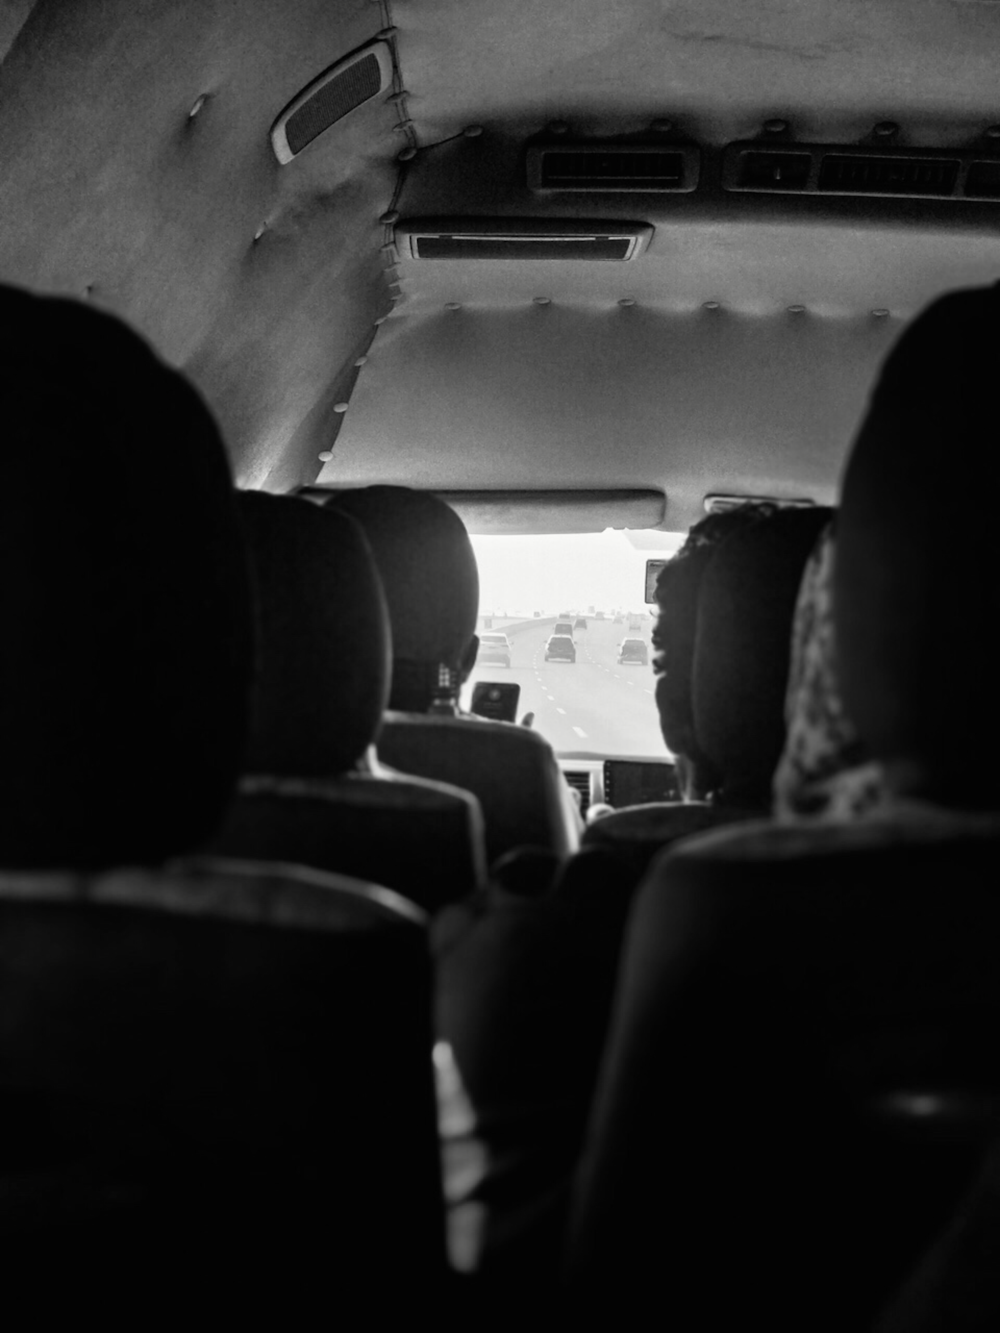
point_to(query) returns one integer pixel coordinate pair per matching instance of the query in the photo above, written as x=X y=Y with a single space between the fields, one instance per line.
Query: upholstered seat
x=783 y=988
x=216 y=1084
x=809 y=1013
x=423 y=839
x=313 y=793
x=511 y=771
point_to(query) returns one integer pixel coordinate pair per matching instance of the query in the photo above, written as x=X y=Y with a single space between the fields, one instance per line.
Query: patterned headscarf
x=824 y=771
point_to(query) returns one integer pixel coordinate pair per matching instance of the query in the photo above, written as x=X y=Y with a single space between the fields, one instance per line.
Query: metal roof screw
x=381 y=319
x=198 y=104
x=340 y=407
x=360 y=361
x=885 y=129
x=542 y=300
x=260 y=231
x=326 y=456
x=472 y=131
x=880 y=312
x=389 y=219
x=386 y=33
x=401 y=96
x=711 y=305
x=407 y=155
x=775 y=126
x=627 y=300
x=796 y=309
x=453 y=305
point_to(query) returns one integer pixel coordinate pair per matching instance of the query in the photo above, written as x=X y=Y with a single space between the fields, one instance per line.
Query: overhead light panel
x=329 y=98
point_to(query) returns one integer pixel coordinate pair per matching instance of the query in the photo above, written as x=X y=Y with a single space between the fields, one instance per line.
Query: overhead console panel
x=861 y=169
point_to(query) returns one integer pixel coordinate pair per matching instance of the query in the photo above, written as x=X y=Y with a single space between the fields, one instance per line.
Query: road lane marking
x=580 y=732
x=561 y=710
x=647 y=691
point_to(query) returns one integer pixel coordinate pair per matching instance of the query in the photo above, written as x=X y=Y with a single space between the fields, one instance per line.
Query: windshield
x=585 y=701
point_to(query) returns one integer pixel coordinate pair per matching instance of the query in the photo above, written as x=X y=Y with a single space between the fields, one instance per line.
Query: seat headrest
x=740 y=668
x=323 y=676
x=428 y=570
x=917 y=575
x=128 y=635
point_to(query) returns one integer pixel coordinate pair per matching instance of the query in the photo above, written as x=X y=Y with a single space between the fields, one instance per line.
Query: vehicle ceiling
x=267 y=282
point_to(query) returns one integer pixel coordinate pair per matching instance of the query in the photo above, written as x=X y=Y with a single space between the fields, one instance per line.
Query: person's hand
x=528 y=720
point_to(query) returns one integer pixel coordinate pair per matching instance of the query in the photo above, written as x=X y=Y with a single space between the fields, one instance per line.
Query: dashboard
x=619 y=782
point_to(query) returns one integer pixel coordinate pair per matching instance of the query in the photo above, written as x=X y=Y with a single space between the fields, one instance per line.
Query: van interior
x=588 y=270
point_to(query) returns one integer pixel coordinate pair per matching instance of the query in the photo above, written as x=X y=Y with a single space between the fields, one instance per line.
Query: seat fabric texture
x=511 y=770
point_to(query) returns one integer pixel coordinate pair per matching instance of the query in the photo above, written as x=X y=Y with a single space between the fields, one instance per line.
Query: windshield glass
x=591 y=585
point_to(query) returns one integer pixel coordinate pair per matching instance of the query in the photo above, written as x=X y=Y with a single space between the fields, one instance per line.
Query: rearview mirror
x=653 y=568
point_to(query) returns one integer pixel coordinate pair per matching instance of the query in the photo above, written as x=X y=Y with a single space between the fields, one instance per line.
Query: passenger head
x=323 y=678
x=917 y=576
x=128 y=636
x=674 y=636
x=431 y=583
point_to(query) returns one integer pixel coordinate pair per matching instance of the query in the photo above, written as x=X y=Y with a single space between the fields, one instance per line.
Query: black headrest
x=428 y=569
x=740 y=671
x=125 y=599
x=323 y=680
x=917 y=572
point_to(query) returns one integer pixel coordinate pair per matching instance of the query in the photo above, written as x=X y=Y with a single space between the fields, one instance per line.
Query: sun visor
x=517 y=512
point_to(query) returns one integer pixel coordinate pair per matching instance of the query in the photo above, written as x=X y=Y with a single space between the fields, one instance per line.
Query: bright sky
x=567 y=571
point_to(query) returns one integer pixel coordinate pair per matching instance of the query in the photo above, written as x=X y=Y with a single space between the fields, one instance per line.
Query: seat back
x=215 y=1079
x=793 y=1002
x=423 y=839
x=511 y=770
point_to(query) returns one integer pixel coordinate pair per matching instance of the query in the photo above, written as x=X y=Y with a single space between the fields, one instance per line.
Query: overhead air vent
x=520 y=238
x=899 y=173
x=330 y=97
x=610 y=168
x=579 y=780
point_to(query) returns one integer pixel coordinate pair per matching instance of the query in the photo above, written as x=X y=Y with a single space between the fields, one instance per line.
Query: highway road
x=590 y=706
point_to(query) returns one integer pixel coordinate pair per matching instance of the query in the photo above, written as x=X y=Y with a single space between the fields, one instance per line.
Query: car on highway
x=580 y=622
x=494 y=650
x=560 y=648
x=633 y=650
x=564 y=627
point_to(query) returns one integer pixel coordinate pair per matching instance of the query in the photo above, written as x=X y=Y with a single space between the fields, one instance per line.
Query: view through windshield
x=567 y=612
